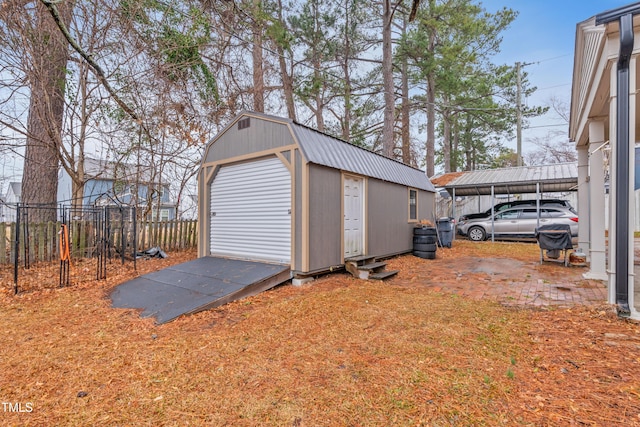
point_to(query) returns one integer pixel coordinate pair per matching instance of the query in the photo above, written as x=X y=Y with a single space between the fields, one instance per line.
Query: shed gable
x=246 y=135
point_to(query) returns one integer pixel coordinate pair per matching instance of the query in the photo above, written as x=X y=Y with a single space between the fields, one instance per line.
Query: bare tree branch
x=51 y=6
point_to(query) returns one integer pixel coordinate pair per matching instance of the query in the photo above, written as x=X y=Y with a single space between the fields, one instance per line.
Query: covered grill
x=554 y=238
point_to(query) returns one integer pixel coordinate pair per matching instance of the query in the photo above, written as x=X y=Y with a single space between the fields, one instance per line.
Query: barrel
x=425 y=242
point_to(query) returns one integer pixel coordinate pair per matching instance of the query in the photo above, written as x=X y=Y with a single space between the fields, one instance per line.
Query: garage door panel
x=251 y=211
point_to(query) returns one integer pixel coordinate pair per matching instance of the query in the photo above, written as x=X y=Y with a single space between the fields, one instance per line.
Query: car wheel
x=476 y=234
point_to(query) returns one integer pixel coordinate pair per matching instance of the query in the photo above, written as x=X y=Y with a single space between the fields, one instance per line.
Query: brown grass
x=338 y=352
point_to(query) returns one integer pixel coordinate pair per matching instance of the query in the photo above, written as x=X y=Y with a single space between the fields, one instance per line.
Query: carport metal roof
x=524 y=179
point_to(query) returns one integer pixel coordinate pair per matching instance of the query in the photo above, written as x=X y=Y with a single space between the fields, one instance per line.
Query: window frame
x=415 y=204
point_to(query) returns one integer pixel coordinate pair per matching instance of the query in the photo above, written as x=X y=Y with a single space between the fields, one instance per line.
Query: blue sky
x=544 y=34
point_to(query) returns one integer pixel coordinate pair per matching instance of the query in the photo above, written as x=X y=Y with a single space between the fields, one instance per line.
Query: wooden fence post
x=43 y=238
x=3 y=243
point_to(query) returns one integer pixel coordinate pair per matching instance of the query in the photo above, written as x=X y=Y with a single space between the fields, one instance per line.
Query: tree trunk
x=348 y=90
x=406 y=107
x=287 y=78
x=446 y=143
x=388 y=143
x=48 y=62
x=319 y=82
x=287 y=85
x=258 y=71
x=469 y=150
x=319 y=109
x=77 y=184
x=346 y=121
x=431 y=125
x=455 y=144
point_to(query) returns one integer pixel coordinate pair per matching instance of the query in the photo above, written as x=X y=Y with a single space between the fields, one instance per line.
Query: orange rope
x=65 y=250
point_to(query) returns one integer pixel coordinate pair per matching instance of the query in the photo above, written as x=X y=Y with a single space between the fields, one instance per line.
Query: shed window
x=413 y=205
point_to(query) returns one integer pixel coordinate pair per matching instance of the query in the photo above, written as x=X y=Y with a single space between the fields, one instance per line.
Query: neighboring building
x=111 y=183
x=273 y=190
x=604 y=124
x=11 y=199
x=107 y=183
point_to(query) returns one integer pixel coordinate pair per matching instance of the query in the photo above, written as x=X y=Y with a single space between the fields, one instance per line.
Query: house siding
x=388 y=228
x=325 y=222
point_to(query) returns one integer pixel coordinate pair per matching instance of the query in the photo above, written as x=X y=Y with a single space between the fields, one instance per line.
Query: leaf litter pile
x=338 y=352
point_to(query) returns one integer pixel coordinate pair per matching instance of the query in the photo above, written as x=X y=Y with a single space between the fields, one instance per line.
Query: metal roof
x=325 y=150
x=523 y=179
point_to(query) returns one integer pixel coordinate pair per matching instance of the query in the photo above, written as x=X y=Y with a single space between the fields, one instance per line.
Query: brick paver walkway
x=511 y=282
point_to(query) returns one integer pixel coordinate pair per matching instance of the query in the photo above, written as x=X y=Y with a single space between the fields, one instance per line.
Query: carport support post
x=493 y=212
x=537 y=204
x=453 y=205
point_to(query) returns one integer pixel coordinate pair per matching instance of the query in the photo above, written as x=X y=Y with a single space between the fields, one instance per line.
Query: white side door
x=353 y=216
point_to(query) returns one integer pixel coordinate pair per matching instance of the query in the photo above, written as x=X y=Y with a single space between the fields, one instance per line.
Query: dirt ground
x=483 y=335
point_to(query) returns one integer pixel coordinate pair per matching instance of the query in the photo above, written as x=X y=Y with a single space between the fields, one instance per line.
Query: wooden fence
x=42 y=240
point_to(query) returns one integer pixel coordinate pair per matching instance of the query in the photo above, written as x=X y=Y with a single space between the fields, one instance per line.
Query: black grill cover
x=554 y=236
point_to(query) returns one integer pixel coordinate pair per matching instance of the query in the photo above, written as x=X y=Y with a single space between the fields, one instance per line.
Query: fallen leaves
x=412 y=351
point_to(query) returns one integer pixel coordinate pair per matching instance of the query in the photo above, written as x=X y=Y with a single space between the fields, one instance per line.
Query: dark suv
x=515 y=203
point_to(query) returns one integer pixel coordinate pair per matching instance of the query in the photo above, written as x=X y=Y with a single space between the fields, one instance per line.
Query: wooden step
x=356 y=271
x=365 y=267
x=372 y=266
x=383 y=275
x=360 y=260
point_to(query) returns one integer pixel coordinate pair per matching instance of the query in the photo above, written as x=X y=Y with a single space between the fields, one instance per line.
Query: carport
x=561 y=177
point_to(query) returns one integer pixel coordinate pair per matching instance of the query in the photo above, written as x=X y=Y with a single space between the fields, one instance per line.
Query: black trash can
x=445 y=232
x=425 y=242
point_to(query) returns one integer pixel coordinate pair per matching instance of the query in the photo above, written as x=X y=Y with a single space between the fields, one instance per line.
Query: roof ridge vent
x=244 y=123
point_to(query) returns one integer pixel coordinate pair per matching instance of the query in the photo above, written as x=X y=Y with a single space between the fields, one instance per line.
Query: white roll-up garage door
x=251 y=211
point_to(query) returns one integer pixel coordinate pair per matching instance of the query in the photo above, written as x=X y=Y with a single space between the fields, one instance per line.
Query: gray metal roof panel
x=322 y=149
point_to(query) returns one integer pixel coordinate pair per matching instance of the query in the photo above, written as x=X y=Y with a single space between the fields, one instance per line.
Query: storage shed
x=273 y=190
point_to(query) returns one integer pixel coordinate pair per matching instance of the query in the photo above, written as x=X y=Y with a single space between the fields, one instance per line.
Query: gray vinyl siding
x=261 y=135
x=325 y=222
x=426 y=205
x=388 y=228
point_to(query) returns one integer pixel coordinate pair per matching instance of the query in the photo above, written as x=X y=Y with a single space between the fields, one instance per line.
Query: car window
x=529 y=214
x=544 y=202
x=552 y=213
x=497 y=208
x=508 y=215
